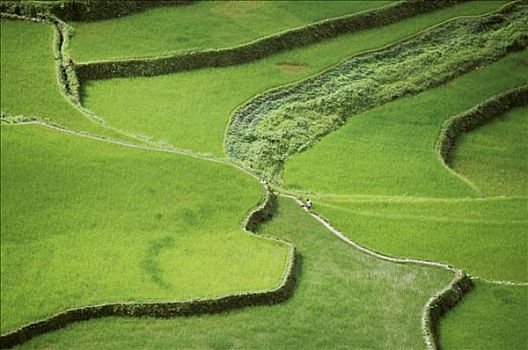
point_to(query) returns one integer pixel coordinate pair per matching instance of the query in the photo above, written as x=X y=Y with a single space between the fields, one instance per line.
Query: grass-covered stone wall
x=259 y=48
x=481 y=114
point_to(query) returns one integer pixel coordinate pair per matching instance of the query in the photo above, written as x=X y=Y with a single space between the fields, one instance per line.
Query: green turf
x=204 y=25
x=480 y=236
x=85 y=222
x=191 y=109
x=28 y=76
x=345 y=299
x=390 y=150
x=490 y=317
x=495 y=156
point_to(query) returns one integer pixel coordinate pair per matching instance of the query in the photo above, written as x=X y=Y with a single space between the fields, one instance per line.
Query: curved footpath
x=436 y=306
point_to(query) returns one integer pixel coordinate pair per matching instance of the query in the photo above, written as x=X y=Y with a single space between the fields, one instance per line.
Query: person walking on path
x=308 y=204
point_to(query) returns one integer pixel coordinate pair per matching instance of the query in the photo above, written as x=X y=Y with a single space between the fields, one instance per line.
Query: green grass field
x=390 y=150
x=28 y=75
x=346 y=298
x=191 y=109
x=204 y=25
x=490 y=317
x=85 y=222
x=493 y=316
x=480 y=236
x=81 y=219
x=495 y=157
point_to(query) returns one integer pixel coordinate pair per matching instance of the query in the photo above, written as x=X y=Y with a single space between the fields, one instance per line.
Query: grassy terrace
x=28 y=75
x=495 y=157
x=191 y=109
x=81 y=219
x=390 y=151
x=204 y=25
x=490 y=317
x=344 y=296
x=480 y=236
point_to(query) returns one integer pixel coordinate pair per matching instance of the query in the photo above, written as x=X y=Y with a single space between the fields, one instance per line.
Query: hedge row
x=176 y=308
x=492 y=108
x=65 y=70
x=83 y=10
x=445 y=301
x=263 y=213
x=259 y=48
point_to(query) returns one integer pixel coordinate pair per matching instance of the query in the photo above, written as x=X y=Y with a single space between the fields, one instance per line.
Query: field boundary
x=484 y=112
x=259 y=48
x=437 y=305
x=504 y=283
x=68 y=83
x=456 y=126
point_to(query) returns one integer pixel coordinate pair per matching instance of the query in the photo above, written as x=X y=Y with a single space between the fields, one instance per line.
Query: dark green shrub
x=83 y=10
x=481 y=114
x=260 y=48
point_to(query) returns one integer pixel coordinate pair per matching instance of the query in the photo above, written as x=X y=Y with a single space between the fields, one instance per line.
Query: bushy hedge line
x=263 y=213
x=481 y=114
x=445 y=301
x=259 y=48
x=287 y=120
x=160 y=309
x=83 y=10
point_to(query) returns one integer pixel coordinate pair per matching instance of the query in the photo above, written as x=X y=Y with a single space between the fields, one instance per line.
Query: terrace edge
x=484 y=112
x=84 y=10
x=260 y=48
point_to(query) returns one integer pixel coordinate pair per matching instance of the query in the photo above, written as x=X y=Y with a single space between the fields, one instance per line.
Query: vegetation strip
x=437 y=305
x=454 y=127
x=259 y=48
x=287 y=120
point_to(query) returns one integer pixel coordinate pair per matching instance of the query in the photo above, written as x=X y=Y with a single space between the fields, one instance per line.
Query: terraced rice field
x=85 y=192
x=135 y=197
